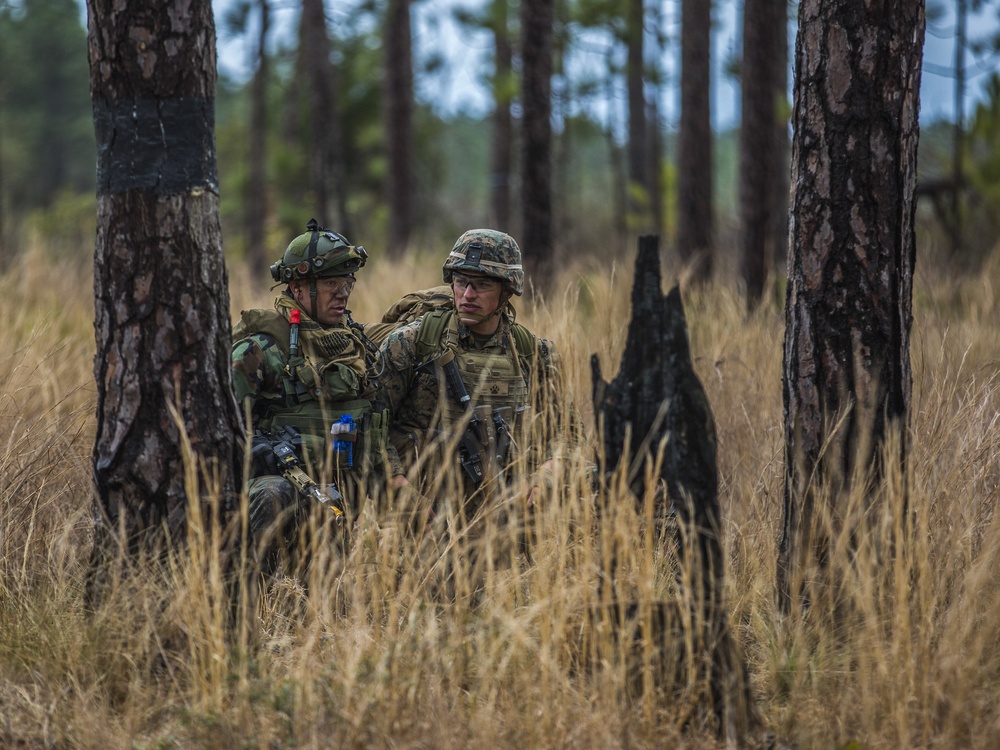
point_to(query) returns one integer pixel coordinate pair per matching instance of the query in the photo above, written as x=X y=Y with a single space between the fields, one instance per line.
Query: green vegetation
x=47 y=151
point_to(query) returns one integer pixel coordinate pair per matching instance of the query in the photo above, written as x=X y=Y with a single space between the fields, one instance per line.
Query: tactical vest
x=321 y=394
x=495 y=378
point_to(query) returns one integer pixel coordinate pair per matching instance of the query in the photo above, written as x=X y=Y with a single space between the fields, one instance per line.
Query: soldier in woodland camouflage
x=506 y=370
x=325 y=380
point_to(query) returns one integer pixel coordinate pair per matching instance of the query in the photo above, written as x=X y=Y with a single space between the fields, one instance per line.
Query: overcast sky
x=459 y=87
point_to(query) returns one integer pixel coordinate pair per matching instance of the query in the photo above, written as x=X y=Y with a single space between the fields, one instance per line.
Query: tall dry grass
x=366 y=651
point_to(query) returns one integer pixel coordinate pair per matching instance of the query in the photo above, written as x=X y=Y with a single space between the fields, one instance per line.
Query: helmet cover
x=488 y=252
x=319 y=252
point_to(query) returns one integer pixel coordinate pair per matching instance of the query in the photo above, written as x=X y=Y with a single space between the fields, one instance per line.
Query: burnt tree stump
x=657 y=400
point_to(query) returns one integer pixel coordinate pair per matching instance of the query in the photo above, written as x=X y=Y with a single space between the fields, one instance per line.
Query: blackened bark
x=257 y=183
x=694 y=141
x=399 y=128
x=851 y=254
x=503 y=123
x=536 y=138
x=160 y=285
x=659 y=401
x=764 y=38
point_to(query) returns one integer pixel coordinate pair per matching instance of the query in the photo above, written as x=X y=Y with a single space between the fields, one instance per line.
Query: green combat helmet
x=318 y=252
x=489 y=252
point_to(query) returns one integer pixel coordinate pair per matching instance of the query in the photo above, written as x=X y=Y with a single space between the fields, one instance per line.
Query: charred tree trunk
x=760 y=149
x=160 y=287
x=399 y=123
x=257 y=183
x=694 y=141
x=536 y=138
x=658 y=400
x=847 y=376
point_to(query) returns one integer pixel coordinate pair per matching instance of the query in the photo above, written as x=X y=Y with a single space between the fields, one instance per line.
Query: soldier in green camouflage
x=509 y=375
x=307 y=366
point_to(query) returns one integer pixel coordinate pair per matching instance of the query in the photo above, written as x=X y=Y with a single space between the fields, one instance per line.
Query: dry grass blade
x=479 y=634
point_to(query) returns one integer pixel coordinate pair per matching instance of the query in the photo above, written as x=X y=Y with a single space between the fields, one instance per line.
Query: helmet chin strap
x=312 y=298
x=480 y=319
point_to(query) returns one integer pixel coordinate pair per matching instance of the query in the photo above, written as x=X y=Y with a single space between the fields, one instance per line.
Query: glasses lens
x=339 y=285
x=478 y=284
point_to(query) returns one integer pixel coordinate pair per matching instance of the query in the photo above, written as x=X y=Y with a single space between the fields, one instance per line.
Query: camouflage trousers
x=285 y=528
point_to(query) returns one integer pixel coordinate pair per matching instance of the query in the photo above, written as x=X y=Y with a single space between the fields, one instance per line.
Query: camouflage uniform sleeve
x=399 y=349
x=257 y=365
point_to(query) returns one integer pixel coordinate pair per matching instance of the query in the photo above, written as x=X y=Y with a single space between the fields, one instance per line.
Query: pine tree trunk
x=536 y=138
x=326 y=164
x=399 y=127
x=847 y=377
x=503 y=124
x=257 y=183
x=694 y=141
x=160 y=286
x=760 y=149
x=638 y=128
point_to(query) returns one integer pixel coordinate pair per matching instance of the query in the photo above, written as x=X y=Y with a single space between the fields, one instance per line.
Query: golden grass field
x=368 y=659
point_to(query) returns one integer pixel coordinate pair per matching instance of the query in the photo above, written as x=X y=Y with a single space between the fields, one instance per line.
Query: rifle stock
x=281 y=447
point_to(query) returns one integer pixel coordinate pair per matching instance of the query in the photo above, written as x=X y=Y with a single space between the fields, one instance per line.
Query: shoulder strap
x=524 y=343
x=268 y=322
x=434 y=324
x=432 y=328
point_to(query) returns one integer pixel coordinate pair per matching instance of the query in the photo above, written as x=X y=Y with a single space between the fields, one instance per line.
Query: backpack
x=440 y=303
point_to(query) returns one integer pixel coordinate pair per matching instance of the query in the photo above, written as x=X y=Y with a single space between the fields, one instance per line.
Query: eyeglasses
x=337 y=285
x=479 y=284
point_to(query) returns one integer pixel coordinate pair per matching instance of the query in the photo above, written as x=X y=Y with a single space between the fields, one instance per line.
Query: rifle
x=274 y=453
x=502 y=430
x=471 y=439
x=294 y=320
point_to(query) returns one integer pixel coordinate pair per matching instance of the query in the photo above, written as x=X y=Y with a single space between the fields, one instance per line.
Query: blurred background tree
x=301 y=127
x=46 y=125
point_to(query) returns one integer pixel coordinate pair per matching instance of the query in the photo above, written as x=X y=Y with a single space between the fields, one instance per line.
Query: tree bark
x=160 y=286
x=503 y=123
x=399 y=127
x=257 y=183
x=694 y=141
x=326 y=160
x=536 y=137
x=847 y=376
x=760 y=148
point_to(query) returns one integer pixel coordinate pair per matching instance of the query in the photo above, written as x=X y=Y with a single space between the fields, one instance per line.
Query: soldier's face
x=332 y=293
x=477 y=297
